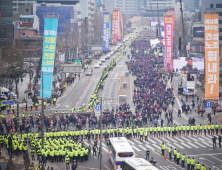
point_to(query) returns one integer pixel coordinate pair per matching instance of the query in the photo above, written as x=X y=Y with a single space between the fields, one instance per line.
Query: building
x=191 y=5
x=6 y=17
x=17 y=3
x=142 y=3
x=23 y=10
x=217 y=4
x=28 y=26
x=66 y=16
x=110 y=5
x=128 y=7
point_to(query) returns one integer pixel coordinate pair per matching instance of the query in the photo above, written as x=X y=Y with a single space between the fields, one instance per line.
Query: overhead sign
x=198 y=31
x=168 y=28
x=8 y=102
x=106 y=31
x=98 y=107
x=77 y=61
x=48 y=55
x=208 y=104
x=211 y=56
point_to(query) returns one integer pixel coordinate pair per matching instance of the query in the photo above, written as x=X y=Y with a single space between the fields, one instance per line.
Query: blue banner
x=99 y=2
x=106 y=31
x=48 y=55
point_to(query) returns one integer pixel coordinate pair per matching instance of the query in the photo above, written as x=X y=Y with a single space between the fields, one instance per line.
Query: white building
x=17 y=3
x=129 y=7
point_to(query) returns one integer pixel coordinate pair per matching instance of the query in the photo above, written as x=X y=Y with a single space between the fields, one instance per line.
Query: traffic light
x=157 y=32
x=179 y=43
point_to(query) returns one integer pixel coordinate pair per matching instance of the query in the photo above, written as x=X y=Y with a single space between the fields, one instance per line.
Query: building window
x=220 y=21
x=220 y=29
x=20 y=4
x=218 y=5
x=220 y=37
x=220 y=13
x=29 y=3
x=211 y=5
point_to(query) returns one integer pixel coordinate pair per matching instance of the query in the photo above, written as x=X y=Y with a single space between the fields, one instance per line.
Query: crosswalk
x=181 y=143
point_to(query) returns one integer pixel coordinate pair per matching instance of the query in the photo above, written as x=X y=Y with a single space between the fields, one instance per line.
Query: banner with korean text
x=115 y=26
x=168 y=28
x=48 y=55
x=105 y=31
x=172 y=11
x=211 y=56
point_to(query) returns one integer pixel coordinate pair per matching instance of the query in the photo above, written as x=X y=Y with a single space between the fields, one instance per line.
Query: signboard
x=106 y=31
x=8 y=102
x=172 y=11
x=211 y=56
x=98 y=107
x=32 y=59
x=96 y=48
x=168 y=29
x=77 y=61
x=99 y=2
x=185 y=90
x=208 y=104
x=208 y=110
x=48 y=55
x=115 y=26
x=198 y=31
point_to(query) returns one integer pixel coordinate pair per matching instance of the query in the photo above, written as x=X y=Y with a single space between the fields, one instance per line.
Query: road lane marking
x=178 y=146
x=192 y=145
x=135 y=148
x=200 y=144
x=131 y=142
x=186 y=145
x=137 y=141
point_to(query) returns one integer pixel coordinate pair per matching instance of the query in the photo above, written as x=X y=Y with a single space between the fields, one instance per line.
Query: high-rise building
x=6 y=25
x=110 y=5
x=129 y=7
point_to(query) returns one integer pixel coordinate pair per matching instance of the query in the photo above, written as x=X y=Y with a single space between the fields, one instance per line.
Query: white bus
x=120 y=149
x=137 y=164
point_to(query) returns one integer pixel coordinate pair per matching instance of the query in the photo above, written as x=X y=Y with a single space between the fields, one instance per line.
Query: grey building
x=129 y=7
x=191 y=5
x=110 y=5
x=217 y=4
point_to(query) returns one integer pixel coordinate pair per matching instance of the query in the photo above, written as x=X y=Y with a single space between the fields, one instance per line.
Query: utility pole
x=42 y=112
x=151 y=9
x=184 y=45
x=158 y=20
x=101 y=133
x=17 y=93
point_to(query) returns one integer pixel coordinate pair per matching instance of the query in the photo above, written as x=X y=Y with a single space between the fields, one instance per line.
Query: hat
x=189 y=58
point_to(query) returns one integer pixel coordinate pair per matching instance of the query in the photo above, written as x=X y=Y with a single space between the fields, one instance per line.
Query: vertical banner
x=115 y=26
x=118 y=25
x=48 y=55
x=172 y=11
x=105 y=31
x=211 y=56
x=168 y=29
x=121 y=21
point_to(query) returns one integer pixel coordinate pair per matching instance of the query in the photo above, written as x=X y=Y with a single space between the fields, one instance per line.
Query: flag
x=144 y=52
x=137 y=51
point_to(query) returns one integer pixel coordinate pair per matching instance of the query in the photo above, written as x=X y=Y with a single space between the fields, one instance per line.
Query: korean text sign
x=168 y=28
x=211 y=56
x=48 y=55
x=106 y=31
x=115 y=25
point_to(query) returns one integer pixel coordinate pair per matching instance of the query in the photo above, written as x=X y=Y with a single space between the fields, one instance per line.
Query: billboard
x=168 y=28
x=115 y=26
x=154 y=24
x=106 y=31
x=211 y=56
x=189 y=65
x=48 y=55
x=198 y=31
x=121 y=21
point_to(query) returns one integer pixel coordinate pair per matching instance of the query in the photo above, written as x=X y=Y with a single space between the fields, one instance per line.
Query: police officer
x=183 y=160
x=198 y=166
x=175 y=154
x=94 y=150
x=188 y=163
x=214 y=141
x=147 y=153
x=178 y=157
x=202 y=167
x=219 y=140
x=170 y=152
x=163 y=148
x=192 y=162
x=67 y=161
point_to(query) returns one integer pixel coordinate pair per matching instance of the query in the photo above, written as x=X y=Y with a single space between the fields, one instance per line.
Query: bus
x=120 y=149
x=137 y=164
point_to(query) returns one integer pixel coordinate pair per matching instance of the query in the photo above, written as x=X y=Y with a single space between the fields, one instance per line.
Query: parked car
x=88 y=73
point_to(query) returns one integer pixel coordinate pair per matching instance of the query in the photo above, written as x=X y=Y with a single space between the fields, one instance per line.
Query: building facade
x=128 y=7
